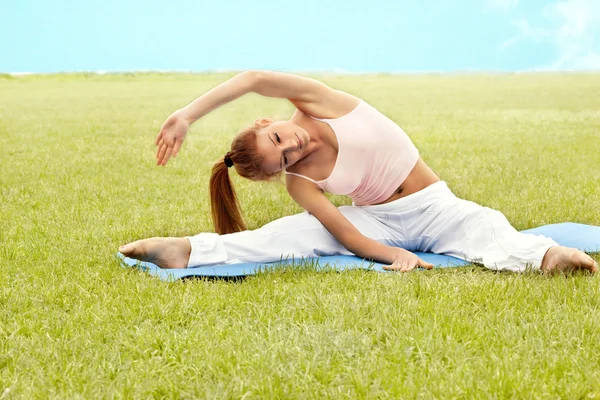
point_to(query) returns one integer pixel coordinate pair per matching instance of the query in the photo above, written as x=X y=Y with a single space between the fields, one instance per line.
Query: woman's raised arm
x=309 y=95
x=173 y=131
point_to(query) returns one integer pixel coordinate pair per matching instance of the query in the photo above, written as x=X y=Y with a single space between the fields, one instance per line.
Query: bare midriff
x=419 y=178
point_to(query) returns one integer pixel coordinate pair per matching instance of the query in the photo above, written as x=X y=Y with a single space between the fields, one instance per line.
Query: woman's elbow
x=250 y=78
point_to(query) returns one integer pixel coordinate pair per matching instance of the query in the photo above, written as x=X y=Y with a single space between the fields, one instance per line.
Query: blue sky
x=350 y=36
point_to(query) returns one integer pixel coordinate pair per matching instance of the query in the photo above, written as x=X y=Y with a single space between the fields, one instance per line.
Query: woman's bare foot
x=560 y=258
x=164 y=252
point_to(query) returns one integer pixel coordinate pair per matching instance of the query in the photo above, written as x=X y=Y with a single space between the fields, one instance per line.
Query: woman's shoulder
x=339 y=105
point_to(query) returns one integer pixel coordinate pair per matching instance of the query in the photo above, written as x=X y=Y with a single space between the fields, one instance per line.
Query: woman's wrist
x=183 y=115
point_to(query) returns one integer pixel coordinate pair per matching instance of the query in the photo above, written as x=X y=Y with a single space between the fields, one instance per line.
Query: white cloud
x=575 y=16
x=579 y=26
x=501 y=5
x=575 y=28
x=588 y=61
x=527 y=32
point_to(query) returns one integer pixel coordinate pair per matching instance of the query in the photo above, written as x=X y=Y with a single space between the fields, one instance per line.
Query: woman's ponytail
x=224 y=204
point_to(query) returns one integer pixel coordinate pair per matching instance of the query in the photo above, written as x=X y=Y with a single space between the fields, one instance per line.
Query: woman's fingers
x=396 y=266
x=161 y=153
x=425 y=264
x=159 y=146
x=407 y=266
x=177 y=147
x=167 y=146
x=158 y=137
x=167 y=156
x=392 y=267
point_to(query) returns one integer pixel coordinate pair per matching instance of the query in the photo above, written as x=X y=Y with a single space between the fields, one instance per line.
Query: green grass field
x=78 y=179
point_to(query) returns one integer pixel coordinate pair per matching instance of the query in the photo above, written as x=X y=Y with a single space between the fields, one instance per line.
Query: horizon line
x=337 y=71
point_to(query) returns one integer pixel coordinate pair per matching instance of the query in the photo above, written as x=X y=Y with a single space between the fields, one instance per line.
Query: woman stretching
x=339 y=144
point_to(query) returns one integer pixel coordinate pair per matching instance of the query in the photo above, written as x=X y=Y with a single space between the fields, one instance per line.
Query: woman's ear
x=263 y=122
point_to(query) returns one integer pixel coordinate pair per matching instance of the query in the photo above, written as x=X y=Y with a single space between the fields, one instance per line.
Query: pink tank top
x=374 y=156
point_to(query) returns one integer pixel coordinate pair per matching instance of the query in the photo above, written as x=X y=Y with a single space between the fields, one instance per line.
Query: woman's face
x=281 y=144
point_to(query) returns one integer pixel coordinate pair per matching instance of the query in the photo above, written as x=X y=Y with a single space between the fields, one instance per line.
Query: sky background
x=311 y=35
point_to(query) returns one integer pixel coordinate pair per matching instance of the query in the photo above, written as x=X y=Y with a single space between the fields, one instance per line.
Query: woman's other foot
x=560 y=258
x=164 y=252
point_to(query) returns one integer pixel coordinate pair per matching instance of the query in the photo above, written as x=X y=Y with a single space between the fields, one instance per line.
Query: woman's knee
x=301 y=221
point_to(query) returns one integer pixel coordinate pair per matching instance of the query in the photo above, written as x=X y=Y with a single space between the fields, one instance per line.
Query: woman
x=337 y=143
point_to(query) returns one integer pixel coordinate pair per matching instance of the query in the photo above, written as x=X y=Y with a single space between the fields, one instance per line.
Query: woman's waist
x=376 y=191
x=419 y=178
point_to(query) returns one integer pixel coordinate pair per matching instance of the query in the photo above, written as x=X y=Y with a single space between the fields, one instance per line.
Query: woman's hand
x=407 y=261
x=170 y=138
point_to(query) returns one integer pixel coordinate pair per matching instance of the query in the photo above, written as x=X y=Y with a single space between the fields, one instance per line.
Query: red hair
x=224 y=204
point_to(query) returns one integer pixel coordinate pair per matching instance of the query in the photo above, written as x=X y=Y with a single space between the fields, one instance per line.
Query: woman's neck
x=315 y=133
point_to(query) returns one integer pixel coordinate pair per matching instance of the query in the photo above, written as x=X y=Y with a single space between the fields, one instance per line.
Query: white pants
x=432 y=220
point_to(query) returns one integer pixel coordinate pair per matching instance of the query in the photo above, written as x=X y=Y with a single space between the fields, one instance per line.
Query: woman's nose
x=291 y=144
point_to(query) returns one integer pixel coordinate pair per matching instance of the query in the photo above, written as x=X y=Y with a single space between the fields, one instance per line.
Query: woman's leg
x=300 y=235
x=297 y=236
x=481 y=235
x=449 y=225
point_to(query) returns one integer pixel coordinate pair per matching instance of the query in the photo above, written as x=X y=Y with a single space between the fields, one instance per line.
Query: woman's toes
x=583 y=261
x=132 y=249
x=126 y=249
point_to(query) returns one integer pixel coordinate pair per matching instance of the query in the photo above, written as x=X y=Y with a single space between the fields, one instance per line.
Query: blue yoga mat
x=580 y=236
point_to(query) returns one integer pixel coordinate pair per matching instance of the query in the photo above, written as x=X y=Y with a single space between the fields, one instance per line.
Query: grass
x=78 y=179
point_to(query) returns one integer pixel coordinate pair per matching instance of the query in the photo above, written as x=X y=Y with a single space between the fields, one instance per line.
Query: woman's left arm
x=312 y=199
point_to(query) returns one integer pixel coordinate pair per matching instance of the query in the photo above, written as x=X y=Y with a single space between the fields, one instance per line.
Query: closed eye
x=277 y=138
